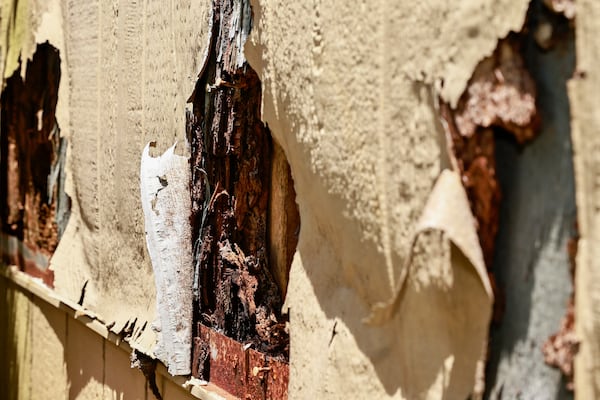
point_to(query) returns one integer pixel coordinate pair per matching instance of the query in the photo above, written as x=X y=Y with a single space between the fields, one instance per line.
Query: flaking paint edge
x=164 y=184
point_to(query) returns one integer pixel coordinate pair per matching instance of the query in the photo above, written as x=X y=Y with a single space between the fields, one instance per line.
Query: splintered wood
x=35 y=209
x=235 y=292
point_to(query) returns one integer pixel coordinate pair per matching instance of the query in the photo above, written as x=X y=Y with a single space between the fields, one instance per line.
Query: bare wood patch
x=231 y=164
x=35 y=208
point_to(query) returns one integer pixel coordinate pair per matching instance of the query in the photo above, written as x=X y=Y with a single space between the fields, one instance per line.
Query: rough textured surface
x=561 y=348
x=231 y=167
x=237 y=368
x=165 y=197
x=347 y=95
x=584 y=88
x=501 y=93
x=131 y=67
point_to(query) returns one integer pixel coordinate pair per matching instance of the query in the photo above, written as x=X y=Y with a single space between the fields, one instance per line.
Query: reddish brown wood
x=277 y=379
x=500 y=96
x=31 y=157
x=231 y=167
x=227 y=364
x=256 y=375
x=240 y=370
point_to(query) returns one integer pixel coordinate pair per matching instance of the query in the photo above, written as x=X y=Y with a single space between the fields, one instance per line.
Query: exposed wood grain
x=231 y=164
x=284 y=219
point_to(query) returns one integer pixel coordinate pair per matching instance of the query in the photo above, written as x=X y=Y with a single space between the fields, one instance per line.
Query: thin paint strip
x=166 y=202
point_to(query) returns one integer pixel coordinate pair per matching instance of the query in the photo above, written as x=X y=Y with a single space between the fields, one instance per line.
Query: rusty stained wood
x=244 y=220
x=242 y=371
x=236 y=293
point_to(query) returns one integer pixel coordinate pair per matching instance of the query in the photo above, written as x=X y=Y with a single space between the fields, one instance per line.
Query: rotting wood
x=235 y=292
x=500 y=96
x=242 y=371
x=35 y=208
x=500 y=99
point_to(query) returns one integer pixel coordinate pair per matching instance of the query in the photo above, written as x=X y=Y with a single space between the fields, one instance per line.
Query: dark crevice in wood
x=147 y=365
x=512 y=96
x=240 y=179
x=500 y=99
x=283 y=218
x=34 y=208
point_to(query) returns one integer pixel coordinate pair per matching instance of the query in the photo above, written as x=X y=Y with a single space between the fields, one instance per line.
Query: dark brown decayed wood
x=33 y=206
x=236 y=293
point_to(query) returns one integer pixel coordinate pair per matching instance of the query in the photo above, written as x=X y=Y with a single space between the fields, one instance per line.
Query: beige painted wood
x=48 y=335
x=171 y=391
x=121 y=381
x=16 y=356
x=349 y=91
x=348 y=95
x=584 y=91
x=85 y=362
x=47 y=354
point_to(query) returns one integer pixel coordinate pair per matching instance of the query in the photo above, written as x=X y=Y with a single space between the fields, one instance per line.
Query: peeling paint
x=242 y=371
x=164 y=183
x=500 y=95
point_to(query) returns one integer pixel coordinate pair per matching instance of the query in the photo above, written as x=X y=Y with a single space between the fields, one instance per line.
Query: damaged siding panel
x=245 y=220
x=530 y=264
x=353 y=111
x=35 y=208
x=231 y=167
x=501 y=94
x=55 y=352
x=537 y=227
x=131 y=68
